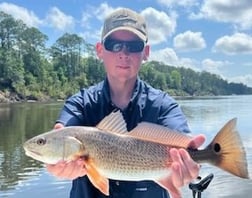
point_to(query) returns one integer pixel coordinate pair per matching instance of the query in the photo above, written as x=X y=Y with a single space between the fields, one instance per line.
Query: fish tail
x=229 y=152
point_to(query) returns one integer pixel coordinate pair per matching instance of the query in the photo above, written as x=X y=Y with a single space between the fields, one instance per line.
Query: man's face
x=119 y=60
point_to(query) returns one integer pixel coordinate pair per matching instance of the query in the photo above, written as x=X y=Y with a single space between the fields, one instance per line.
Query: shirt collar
x=135 y=94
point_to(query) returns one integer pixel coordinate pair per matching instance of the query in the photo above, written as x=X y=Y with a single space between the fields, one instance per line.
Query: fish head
x=53 y=147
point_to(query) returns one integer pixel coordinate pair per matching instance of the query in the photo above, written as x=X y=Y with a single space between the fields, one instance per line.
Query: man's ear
x=146 y=52
x=99 y=48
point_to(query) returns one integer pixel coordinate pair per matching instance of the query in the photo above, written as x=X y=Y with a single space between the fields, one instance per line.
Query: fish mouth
x=31 y=152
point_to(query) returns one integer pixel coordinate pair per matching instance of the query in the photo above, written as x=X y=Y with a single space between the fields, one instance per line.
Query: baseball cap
x=125 y=19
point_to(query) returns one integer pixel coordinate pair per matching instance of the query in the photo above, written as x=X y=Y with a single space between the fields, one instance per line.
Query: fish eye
x=41 y=141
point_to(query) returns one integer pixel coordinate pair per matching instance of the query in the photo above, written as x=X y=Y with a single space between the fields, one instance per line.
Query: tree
x=66 y=54
x=190 y=81
x=160 y=81
x=175 y=79
x=8 y=31
x=33 y=48
x=32 y=71
x=12 y=71
x=148 y=73
x=94 y=70
x=33 y=40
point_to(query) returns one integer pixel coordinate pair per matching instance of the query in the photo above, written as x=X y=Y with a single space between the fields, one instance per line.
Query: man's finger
x=197 y=141
x=191 y=168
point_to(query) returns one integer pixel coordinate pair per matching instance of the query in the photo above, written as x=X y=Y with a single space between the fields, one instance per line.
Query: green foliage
x=12 y=70
x=175 y=79
x=184 y=81
x=32 y=71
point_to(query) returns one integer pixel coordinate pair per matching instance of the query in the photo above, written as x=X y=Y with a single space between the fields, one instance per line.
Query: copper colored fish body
x=111 y=152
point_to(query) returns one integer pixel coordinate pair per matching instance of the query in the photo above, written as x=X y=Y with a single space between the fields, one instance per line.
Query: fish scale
x=133 y=158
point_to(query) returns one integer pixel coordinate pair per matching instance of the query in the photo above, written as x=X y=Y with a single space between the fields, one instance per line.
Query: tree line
x=30 y=70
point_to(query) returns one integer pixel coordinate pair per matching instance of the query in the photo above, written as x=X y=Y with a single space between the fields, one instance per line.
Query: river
x=23 y=177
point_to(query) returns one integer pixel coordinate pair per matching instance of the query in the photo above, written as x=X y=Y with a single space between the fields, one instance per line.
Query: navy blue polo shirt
x=89 y=106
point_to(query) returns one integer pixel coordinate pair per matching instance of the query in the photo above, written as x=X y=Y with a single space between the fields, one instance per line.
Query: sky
x=204 y=35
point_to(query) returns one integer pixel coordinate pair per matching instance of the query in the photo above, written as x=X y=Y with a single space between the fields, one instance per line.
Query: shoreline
x=12 y=98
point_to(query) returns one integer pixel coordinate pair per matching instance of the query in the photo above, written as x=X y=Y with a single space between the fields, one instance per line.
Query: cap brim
x=130 y=29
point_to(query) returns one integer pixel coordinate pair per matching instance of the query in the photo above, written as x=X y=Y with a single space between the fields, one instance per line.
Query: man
x=122 y=49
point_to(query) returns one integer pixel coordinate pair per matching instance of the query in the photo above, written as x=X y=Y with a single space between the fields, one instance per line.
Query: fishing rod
x=198 y=188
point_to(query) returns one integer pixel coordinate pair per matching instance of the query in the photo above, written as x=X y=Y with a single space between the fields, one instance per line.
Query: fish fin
x=229 y=151
x=166 y=184
x=160 y=134
x=114 y=123
x=99 y=181
x=71 y=139
x=73 y=148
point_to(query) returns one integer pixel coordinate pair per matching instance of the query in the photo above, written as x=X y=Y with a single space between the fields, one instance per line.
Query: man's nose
x=125 y=50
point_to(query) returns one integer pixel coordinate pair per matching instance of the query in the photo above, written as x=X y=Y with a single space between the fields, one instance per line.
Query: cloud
x=59 y=20
x=174 y=3
x=85 y=20
x=160 y=25
x=169 y=57
x=238 y=13
x=55 y=18
x=189 y=41
x=92 y=20
x=238 y=43
x=245 y=79
x=98 y=13
x=103 y=10
x=213 y=66
x=217 y=67
x=166 y=55
x=21 y=13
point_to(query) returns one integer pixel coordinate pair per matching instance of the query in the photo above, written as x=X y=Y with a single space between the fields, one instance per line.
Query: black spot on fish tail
x=217 y=147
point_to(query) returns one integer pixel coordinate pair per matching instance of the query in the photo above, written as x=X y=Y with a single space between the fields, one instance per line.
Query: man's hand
x=67 y=170
x=183 y=168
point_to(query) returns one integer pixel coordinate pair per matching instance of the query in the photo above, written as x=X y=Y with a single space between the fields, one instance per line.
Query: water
x=22 y=177
x=208 y=115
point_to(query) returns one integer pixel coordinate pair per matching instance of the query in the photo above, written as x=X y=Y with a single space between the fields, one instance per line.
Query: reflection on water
x=208 y=115
x=22 y=177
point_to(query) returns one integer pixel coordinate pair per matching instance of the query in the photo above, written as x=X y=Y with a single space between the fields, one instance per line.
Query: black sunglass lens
x=116 y=46
x=135 y=46
x=112 y=45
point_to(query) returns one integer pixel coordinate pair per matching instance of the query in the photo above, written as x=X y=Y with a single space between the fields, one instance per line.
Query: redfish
x=112 y=152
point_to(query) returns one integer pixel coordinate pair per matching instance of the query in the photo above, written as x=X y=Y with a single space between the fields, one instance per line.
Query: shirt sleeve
x=171 y=115
x=72 y=111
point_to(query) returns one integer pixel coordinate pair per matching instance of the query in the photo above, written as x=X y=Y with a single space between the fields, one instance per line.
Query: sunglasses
x=113 y=45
